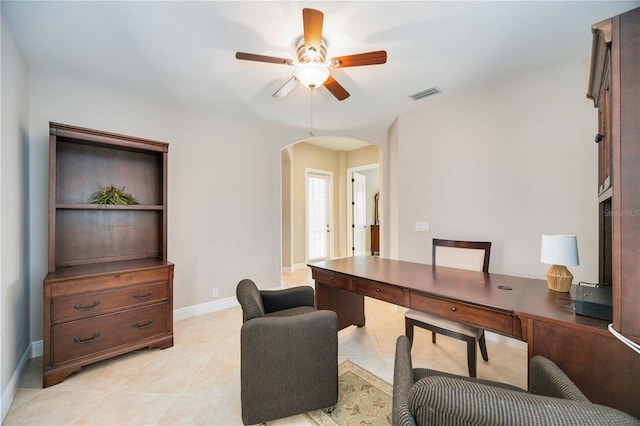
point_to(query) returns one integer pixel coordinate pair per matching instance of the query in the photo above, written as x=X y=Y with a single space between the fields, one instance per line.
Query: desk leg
x=349 y=306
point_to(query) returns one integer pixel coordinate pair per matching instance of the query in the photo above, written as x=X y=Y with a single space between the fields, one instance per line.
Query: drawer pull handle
x=136 y=325
x=85 y=308
x=88 y=340
x=378 y=290
x=117 y=275
x=148 y=295
x=453 y=309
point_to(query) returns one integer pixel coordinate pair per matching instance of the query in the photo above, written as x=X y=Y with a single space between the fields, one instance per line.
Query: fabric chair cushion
x=298 y=310
x=278 y=300
x=421 y=373
x=460 y=258
x=425 y=318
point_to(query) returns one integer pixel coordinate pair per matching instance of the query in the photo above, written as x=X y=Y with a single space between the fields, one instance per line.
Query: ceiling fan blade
x=312 y=20
x=369 y=58
x=262 y=58
x=286 y=88
x=336 y=89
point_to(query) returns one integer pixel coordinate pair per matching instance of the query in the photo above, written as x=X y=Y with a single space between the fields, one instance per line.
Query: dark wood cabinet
x=599 y=92
x=109 y=289
x=614 y=86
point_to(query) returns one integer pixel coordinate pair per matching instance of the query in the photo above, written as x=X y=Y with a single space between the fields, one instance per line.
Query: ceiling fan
x=312 y=66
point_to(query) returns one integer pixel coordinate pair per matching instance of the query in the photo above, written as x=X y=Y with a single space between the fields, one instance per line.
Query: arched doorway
x=338 y=156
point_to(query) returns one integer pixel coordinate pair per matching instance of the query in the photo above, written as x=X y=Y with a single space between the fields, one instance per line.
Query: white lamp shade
x=559 y=250
x=312 y=75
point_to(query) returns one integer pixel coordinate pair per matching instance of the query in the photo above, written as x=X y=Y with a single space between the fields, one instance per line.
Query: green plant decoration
x=112 y=195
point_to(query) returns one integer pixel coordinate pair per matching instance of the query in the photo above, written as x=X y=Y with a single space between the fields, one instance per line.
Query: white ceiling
x=182 y=53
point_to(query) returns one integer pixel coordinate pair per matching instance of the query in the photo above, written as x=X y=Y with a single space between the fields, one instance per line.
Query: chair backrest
x=250 y=299
x=472 y=255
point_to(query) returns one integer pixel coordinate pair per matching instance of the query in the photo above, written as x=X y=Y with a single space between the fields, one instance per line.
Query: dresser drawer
x=331 y=278
x=388 y=293
x=89 y=304
x=87 y=336
x=497 y=321
x=114 y=280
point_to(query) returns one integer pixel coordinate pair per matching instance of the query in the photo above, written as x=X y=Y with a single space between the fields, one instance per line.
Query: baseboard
x=11 y=389
x=204 y=308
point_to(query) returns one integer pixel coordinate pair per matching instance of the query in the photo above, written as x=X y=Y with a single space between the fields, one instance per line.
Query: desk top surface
x=526 y=297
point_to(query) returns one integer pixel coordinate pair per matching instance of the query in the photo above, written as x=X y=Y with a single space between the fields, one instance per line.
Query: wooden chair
x=473 y=255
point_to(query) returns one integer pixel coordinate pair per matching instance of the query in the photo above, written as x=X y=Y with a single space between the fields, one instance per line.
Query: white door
x=359 y=211
x=318 y=216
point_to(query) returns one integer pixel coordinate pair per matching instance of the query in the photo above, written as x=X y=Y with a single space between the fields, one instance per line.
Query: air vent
x=425 y=93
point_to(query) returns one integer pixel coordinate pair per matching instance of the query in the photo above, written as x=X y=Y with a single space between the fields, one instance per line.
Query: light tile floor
x=197 y=381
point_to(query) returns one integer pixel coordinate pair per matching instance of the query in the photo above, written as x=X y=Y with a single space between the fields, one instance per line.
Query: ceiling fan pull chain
x=311 y=114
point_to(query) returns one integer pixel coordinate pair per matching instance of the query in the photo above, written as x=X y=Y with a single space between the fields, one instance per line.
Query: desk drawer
x=87 y=336
x=74 y=286
x=482 y=317
x=331 y=278
x=89 y=304
x=388 y=293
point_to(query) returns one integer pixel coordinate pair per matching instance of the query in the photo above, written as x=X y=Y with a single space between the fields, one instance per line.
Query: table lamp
x=559 y=251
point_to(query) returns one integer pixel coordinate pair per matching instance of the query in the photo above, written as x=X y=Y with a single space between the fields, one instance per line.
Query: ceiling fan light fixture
x=312 y=74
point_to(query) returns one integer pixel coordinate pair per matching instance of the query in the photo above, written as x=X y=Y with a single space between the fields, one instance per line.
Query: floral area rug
x=363 y=399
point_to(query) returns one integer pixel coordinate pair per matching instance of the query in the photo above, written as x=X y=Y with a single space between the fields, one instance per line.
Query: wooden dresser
x=109 y=289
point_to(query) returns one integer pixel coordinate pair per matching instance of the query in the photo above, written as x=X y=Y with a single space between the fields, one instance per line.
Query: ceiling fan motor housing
x=308 y=55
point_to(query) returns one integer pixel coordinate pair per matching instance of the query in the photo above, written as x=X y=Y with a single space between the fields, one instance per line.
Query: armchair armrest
x=279 y=300
x=403 y=379
x=546 y=378
x=445 y=400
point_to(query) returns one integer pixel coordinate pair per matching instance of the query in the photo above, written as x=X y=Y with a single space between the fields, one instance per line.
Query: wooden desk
x=522 y=308
x=465 y=296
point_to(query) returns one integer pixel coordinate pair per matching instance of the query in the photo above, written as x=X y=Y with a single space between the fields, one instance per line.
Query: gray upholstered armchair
x=427 y=397
x=289 y=353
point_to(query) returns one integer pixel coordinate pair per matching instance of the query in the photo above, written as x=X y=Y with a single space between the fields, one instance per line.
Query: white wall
x=506 y=163
x=14 y=228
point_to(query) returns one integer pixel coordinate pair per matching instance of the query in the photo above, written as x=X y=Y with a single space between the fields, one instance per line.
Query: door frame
x=349 y=193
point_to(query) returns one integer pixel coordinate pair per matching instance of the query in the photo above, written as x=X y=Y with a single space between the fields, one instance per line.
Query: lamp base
x=559 y=278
